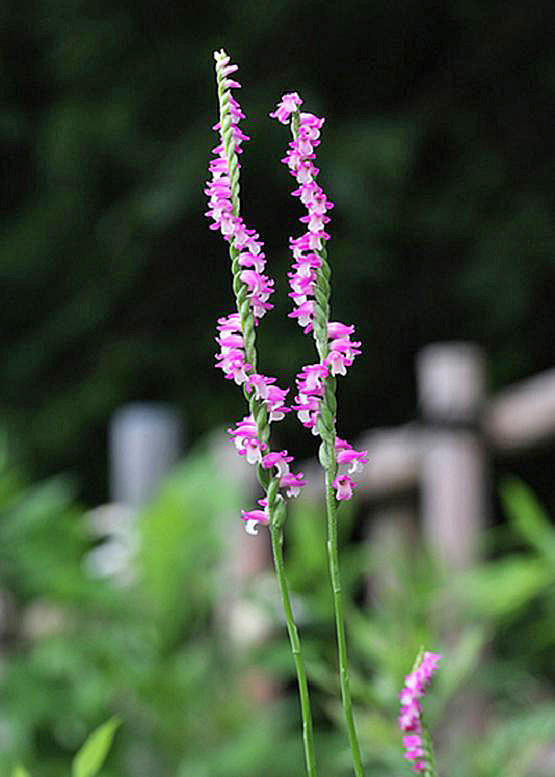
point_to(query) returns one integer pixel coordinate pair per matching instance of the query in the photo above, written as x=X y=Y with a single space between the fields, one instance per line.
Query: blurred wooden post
x=247 y=558
x=451 y=392
x=391 y=531
x=389 y=481
x=145 y=443
x=522 y=416
x=451 y=388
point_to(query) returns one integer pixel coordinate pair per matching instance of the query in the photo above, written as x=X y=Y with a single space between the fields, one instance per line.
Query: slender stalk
x=308 y=733
x=333 y=559
x=257 y=408
x=431 y=768
x=326 y=430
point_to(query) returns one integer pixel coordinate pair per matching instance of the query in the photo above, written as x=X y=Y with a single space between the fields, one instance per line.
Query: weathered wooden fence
x=442 y=458
x=444 y=454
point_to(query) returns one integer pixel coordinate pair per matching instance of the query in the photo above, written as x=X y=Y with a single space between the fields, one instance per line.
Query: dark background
x=438 y=152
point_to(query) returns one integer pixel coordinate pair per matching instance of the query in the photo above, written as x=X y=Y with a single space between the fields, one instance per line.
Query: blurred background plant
x=91 y=756
x=155 y=651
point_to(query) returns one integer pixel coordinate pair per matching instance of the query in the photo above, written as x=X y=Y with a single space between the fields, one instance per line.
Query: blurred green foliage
x=155 y=653
x=438 y=152
x=79 y=648
x=91 y=756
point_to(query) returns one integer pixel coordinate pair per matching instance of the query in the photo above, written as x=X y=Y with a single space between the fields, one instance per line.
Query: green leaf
x=528 y=517
x=464 y=656
x=92 y=755
x=500 y=589
x=20 y=771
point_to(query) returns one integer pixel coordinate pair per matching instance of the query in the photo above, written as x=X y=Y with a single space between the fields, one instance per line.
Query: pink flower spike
x=302 y=284
x=343 y=485
x=288 y=105
x=337 y=362
x=312 y=376
x=347 y=455
x=414 y=753
x=305 y=172
x=260 y=384
x=307 y=410
x=310 y=120
x=294 y=483
x=280 y=460
x=221 y=209
x=346 y=346
x=336 y=330
x=259 y=309
x=304 y=314
x=412 y=740
x=275 y=403
x=229 y=341
x=406 y=696
x=259 y=285
x=221 y=58
x=410 y=719
x=254 y=517
x=315 y=240
x=246 y=440
x=256 y=261
x=233 y=365
x=316 y=222
x=341 y=355
x=229 y=69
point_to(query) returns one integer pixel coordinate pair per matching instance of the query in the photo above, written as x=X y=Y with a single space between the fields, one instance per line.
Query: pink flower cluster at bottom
x=410 y=719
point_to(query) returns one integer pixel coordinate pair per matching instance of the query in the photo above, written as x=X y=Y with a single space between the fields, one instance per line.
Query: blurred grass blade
x=464 y=656
x=20 y=771
x=527 y=516
x=502 y=588
x=92 y=755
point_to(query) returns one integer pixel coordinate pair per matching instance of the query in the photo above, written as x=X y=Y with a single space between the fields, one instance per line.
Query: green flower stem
x=333 y=558
x=270 y=484
x=308 y=733
x=429 y=756
x=326 y=429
